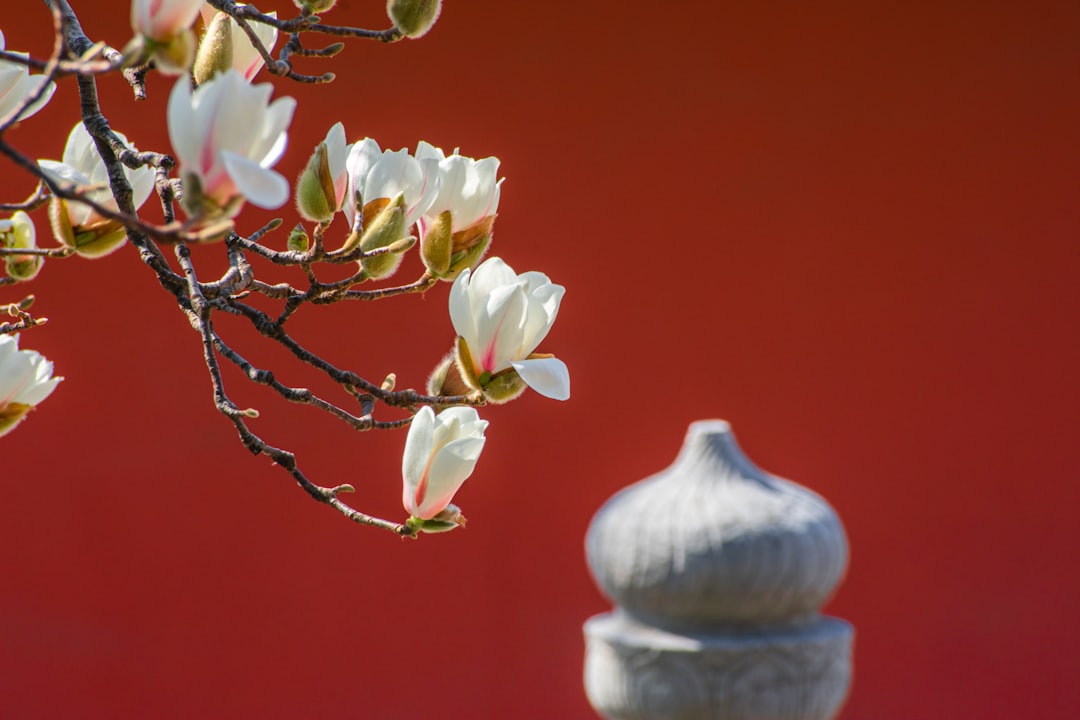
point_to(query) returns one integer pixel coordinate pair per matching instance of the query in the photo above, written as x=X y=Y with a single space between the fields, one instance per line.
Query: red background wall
x=851 y=230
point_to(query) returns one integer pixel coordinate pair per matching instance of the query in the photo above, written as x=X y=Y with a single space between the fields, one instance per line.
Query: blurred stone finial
x=718 y=572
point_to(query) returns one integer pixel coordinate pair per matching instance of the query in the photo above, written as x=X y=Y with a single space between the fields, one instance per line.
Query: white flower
x=502 y=317
x=440 y=453
x=468 y=188
x=227 y=135
x=19 y=232
x=378 y=174
x=162 y=20
x=16 y=83
x=25 y=380
x=83 y=165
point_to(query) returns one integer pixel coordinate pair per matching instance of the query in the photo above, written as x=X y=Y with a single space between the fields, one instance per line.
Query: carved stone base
x=636 y=672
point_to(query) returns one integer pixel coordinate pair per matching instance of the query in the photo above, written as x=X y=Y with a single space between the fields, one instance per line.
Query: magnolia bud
x=469 y=246
x=413 y=17
x=503 y=387
x=436 y=244
x=445 y=379
x=315 y=197
x=385 y=230
x=465 y=365
x=315 y=6
x=215 y=54
x=298 y=239
x=19 y=233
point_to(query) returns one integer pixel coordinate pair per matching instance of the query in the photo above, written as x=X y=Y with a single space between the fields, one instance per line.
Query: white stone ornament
x=718 y=571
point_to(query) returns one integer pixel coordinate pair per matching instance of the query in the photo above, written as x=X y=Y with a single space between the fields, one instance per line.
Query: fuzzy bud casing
x=413 y=17
x=298 y=239
x=386 y=229
x=315 y=197
x=19 y=233
x=215 y=53
x=315 y=6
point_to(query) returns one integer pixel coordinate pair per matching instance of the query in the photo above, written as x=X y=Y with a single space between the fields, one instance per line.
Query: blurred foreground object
x=718 y=572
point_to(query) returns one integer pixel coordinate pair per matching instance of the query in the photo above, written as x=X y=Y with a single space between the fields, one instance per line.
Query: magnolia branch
x=76 y=55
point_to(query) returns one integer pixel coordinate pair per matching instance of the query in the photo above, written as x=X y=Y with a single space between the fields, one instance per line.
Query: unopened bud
x=298 y=239
x=385 y=230
x=463 y=359
x=19 y=233
x=215 y=53
x=389 y=383
x=315 y=6
x=436 y=244
x=315 y=197
x=503 y=387
x=469 y=246
x=445 y=379
x=413 y=17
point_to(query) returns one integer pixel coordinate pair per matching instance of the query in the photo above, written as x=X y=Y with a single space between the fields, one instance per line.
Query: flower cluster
x=227 y=134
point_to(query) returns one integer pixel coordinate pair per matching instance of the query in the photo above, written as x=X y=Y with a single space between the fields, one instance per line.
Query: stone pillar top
x=714 y=543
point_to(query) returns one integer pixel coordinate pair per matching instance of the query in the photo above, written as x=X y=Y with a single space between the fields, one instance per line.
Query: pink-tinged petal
x=548 y=376
x=416 y=457
x=161 y=19
x=262 y=187
x=450 y=468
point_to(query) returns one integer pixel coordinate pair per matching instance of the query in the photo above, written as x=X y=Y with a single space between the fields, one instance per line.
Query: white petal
x=543 y=308
x=418 y=446
x=548 y=376
x=37 y=392
x=461 y=314
x=262 y=187
x=450 y=468
x=275 y=123
x=183 y=133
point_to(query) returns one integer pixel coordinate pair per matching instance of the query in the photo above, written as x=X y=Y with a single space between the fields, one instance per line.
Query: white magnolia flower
x=25 y=380
x=377 y=174
x=227 y=135
x=162 y=20
x=19 y=232
x=83 y=165
x=16 y=83
x=502 y=317
x=468 y=188
x=440 y=453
